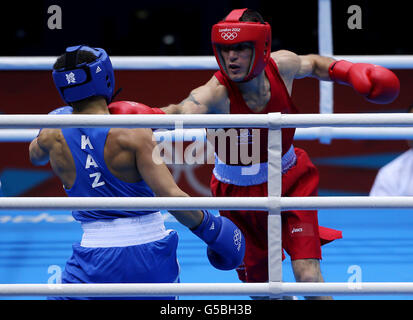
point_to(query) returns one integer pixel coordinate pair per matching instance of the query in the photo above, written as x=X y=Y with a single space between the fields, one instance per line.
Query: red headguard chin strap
x=232 y=31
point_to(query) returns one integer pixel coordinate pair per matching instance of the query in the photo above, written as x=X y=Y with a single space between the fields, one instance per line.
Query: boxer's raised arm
x=38 y=151
x=376 y=83
x=292 y=66
x=208 y=98
x=226 y=243
x=156 y=174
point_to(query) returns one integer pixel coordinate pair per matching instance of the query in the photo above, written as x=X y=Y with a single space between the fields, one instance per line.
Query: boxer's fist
x=129 y=107
x=377 y=84
x=226 y=243
x=62 y=110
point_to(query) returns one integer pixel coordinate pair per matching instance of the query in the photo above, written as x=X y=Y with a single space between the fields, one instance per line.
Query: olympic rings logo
x=229 y=35
x=237 y=239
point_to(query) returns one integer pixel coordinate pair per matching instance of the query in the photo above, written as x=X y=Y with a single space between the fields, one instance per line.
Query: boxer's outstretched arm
x=293 y=66
x=38 y=151
x=226 y=243
x=376 y=83
x=39 y=147
x=158 y=177
x=208 y=98
x=313 y=65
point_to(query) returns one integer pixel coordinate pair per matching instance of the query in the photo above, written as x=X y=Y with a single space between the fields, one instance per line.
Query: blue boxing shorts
x=113 y=252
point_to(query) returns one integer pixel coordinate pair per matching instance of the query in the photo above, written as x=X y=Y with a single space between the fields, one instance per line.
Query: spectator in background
x=396 y=177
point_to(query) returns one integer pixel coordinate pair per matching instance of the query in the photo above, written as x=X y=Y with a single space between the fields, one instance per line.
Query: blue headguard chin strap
x=78 y=81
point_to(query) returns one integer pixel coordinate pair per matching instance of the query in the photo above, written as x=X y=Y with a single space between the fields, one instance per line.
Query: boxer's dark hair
x=252 y=15
x=82 y=56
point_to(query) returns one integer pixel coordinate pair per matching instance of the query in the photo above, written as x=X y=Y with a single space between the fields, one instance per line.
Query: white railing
x=207 y=289
x=378 y=133
x=197 y=203
x=271 y=120
x=187 y=62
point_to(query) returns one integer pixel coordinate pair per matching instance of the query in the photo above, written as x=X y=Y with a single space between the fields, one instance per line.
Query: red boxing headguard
x=233 y=31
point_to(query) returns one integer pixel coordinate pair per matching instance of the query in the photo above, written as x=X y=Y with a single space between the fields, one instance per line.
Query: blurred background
x=182 y=28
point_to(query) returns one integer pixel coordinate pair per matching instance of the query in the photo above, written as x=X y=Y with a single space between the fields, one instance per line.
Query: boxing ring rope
x=376 y=133
x=187 y=62
x=197 y=203
x=364 y=133
x=207 y=289
x=271 y=120
x=274 y=203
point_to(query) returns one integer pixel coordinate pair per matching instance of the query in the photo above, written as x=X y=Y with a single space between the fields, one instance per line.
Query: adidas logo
x=98 y=69
x=212 y=227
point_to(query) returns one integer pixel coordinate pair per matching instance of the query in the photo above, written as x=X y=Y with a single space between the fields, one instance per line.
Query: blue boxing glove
x=226 y=243
x=61 y=110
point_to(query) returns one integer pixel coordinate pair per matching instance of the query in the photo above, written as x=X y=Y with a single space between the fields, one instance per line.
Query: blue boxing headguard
x=78 y=81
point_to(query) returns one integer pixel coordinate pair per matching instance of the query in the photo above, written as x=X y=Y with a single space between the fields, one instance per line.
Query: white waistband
x=124 y=232
x=250 y=175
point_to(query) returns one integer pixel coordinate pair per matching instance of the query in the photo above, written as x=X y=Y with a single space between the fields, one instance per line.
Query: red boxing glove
x=377 y=84
x=130 y=107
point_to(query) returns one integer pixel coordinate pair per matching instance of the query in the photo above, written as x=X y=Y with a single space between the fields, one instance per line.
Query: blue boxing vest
x=93 y=178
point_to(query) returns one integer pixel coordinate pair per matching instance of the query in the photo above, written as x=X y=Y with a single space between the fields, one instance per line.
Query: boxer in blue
x=120 y=246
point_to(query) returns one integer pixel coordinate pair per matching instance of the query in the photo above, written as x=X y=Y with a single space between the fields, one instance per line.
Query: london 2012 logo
x=229 y=33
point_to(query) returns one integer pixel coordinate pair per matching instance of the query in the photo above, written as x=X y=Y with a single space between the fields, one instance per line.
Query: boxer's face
x=237 y=59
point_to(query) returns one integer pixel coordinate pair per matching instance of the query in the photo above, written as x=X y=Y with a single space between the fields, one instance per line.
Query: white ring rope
x=207 y=289
x=271 y=120
x=377 y=133
x=187 y=62
x=195 y=203
x=372 y=133
x=119 y=63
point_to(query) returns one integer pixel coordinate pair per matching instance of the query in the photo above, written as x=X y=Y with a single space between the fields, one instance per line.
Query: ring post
x=274 y=208
x=325 y=48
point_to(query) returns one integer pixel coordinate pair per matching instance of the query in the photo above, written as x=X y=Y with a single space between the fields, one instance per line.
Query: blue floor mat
x=376 y=243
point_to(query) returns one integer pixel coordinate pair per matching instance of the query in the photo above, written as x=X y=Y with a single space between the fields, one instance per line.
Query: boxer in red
x=254 y=80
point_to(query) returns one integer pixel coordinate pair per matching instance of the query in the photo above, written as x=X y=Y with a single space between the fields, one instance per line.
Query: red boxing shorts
x=302 y=237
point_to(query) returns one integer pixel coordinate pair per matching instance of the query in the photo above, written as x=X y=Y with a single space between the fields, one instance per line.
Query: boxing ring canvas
x=36 y=244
